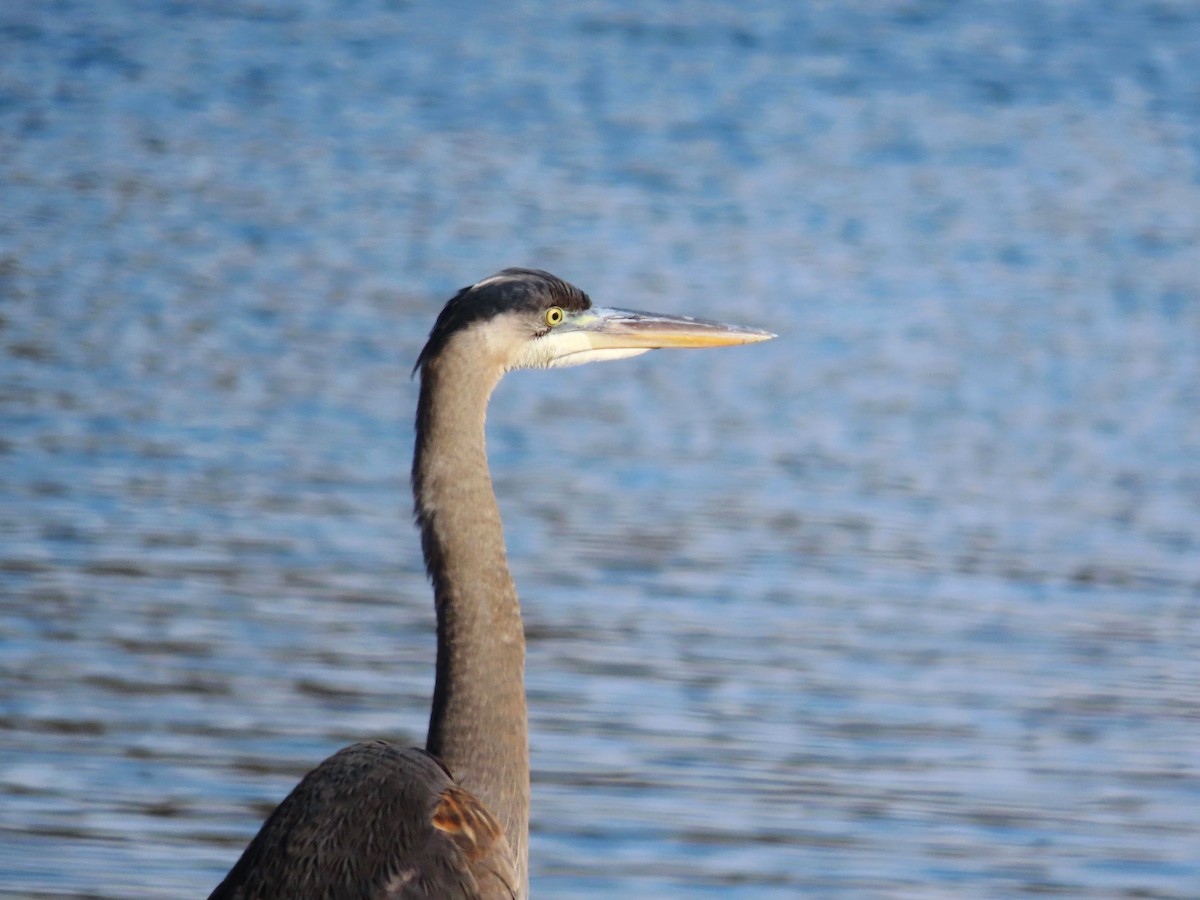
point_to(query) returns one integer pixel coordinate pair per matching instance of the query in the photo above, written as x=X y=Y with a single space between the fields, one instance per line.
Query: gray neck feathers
x=478 y=725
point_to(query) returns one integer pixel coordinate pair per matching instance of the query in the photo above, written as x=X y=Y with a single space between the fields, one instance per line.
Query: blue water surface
x=905 y=603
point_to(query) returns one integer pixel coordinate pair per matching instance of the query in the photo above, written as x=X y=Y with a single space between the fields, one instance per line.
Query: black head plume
x=509 y=290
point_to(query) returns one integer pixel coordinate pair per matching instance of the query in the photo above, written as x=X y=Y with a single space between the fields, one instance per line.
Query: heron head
x=530 y=319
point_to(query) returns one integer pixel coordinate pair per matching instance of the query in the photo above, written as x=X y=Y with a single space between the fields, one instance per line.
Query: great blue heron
x=452 y=820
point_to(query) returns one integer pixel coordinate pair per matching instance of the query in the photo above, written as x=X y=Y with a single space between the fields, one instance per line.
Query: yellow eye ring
x=554 y=316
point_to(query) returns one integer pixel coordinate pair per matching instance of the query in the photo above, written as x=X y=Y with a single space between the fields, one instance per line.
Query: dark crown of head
x=509 y=290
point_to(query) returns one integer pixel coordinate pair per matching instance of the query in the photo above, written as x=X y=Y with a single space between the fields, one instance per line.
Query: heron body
x=376 y=821
x=452 y=821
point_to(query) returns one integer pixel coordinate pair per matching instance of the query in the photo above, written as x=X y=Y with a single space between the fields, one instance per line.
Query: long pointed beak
x=617 y=329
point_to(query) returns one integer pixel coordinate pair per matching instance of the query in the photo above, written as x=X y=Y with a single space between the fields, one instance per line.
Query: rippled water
x=903 y=604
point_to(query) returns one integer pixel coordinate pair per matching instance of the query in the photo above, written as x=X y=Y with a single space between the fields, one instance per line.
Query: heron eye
x=554 y=316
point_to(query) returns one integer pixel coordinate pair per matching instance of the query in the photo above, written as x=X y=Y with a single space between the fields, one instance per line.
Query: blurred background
x=902 y=604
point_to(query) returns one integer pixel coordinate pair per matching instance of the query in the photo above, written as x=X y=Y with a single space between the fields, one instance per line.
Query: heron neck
x=478 y=725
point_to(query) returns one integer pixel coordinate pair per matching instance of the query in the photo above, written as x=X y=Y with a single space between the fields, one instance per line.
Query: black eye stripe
x=509 y=290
